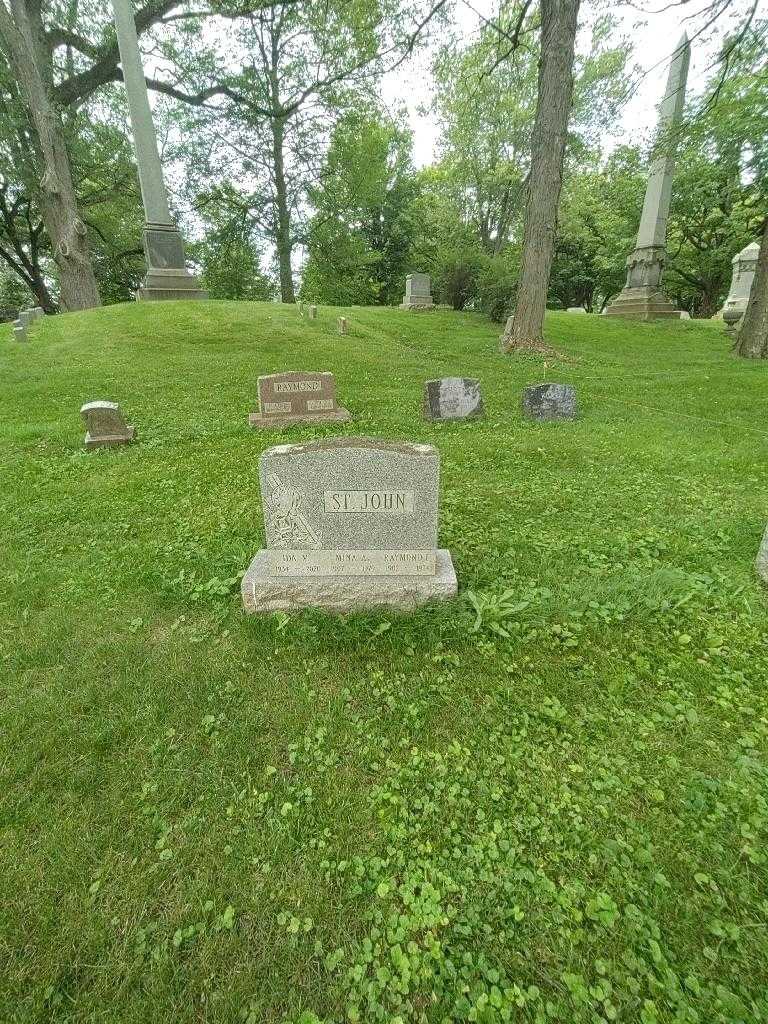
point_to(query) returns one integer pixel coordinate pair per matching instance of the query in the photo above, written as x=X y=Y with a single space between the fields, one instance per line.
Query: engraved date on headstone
x=359 y=562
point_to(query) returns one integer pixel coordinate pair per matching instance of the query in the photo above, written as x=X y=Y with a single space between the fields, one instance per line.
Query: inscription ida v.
x=393 y=502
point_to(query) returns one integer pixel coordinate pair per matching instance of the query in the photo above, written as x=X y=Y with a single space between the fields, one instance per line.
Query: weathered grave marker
x=452 y=398
x=550 y=402
x=350 y=523
x=506 y=334
x=761 y=564
x=20 y=330
x=744 y=268
x=297 y=397
x=343 y=325
x=105 y=425
x=417 y=292
x=313 y=312
x=576 y=309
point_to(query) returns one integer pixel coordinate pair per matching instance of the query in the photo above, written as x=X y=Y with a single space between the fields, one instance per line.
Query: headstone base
x=176 y=283
x=418 y=304
x=110 y=441
x=263 y=593
x=340 y=415
x=643 y=303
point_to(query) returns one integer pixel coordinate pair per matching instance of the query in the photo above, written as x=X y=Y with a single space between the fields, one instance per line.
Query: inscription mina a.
x=287 y=386
x=392 y=502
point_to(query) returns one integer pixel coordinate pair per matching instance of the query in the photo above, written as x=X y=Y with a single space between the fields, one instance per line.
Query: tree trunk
x=41 y=293
x=24 y=44
x=555 y=94
x=753 y=336
x=283 y=241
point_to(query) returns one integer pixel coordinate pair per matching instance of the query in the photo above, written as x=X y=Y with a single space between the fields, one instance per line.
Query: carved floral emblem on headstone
x=283 y=516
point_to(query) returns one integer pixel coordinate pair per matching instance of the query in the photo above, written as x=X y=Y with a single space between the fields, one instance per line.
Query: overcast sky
x=655 y=30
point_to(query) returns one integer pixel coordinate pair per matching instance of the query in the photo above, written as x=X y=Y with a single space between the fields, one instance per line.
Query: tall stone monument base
x=642 y=298
x=167 y=274
x=264 y=592
x=643 y=304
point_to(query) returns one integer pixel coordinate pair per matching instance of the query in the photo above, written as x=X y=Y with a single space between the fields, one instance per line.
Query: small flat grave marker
x=549 y=402
x=297 y=397
x=105 y=425
x=452 y=398
x=350 y=523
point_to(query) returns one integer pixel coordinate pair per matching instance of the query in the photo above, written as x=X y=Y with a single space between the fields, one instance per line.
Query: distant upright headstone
x=576 y=309
x=297 y=397
x=105 y=425
x=684 y=314
x=761 y=565
x=20 y=331
x=342 y=324
x=549 y=402
x=505 y=336
x=300 y=308
x=744 y=267
x=313 y=312
x=26 y=316
x=417 y=292
x=37 y=312
x=452 y=398
x=350 y=523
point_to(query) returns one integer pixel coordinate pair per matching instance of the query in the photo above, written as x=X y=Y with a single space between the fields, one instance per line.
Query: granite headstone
x=452 y=398
x=550 y=402
x=350 y=523
x=297 y=397
x=105 y=425
x=417 y=292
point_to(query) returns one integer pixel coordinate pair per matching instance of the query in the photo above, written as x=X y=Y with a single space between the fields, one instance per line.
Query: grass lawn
x=554 y=808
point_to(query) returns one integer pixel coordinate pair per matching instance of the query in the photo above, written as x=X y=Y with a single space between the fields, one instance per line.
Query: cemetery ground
x=544 y=801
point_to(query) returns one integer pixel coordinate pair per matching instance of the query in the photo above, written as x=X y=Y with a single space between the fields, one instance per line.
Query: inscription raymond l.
x=358 y=562
x=398 y=503
x=295 y=386
x=274 y=407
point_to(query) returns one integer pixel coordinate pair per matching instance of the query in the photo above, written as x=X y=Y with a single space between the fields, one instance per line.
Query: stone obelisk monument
x=167 y=274
x=641 y=297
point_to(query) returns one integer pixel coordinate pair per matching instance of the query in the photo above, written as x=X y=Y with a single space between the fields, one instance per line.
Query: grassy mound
x=546 y=801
